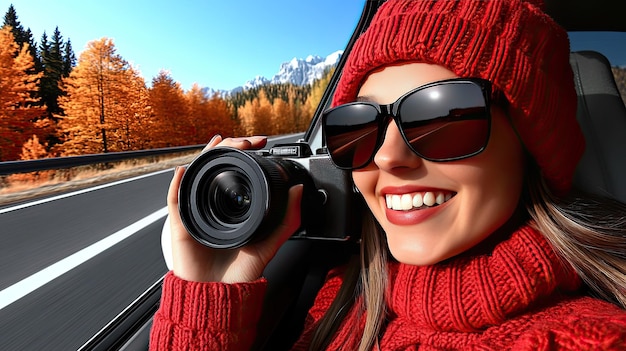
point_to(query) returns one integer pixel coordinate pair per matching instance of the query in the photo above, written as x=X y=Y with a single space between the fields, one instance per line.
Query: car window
x=610 y=44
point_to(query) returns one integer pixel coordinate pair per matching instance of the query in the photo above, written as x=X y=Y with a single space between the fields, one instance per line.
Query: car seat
x=602 y=117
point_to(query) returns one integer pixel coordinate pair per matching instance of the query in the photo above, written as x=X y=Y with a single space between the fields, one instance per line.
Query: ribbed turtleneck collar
x=469 y=294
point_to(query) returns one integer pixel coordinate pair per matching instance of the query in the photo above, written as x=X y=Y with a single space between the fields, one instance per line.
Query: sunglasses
x=442 y=121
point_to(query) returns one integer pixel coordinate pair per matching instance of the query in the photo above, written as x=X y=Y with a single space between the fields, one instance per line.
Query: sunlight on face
x=460 y=203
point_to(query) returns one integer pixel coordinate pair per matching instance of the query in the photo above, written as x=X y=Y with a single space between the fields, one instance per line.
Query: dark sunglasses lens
x=447 y=121
x=351 y=132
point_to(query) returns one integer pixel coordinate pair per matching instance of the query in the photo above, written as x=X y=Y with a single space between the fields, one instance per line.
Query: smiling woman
x=460 y=247
x=425 y=235
x=464 y=245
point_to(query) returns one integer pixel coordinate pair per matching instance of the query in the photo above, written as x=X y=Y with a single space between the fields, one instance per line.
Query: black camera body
x=229 y=198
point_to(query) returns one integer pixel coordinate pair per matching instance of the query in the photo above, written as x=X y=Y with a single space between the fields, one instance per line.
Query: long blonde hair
x=365 y=281
x=587 y=231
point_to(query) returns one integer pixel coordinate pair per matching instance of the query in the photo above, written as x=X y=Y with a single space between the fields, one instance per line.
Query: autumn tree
x=208 y=115
x=294 y=119
x=19 y=110
x=132 y=125
x=221 y=116
x=281 y=120
x=53 y=59
x=22 y=36
x=255 y=117
x=33 y=149
x=199 y=118
x=318 y=88
x=105 y=104
x=172 y=126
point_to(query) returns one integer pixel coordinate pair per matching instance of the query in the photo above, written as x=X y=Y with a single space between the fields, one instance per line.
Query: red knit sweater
x=518 y=297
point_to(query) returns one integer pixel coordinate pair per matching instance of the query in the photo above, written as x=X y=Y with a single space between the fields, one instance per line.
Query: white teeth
x=407 y=202
x=440 y=199
x=418 y=200
x=396 y=203
x=429 y=199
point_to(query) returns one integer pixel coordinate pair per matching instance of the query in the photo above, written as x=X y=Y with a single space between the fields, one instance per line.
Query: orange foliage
x=105 y=105
x=208 y=115
x=32 y=150
x=317 y=92
x=170 y=112
x=284 y=115
x=255 y=117
x=18 y=110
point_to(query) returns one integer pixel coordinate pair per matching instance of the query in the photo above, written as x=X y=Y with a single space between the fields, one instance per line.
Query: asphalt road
x=67 y=311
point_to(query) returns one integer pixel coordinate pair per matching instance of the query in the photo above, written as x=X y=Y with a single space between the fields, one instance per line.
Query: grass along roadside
x=20 y=187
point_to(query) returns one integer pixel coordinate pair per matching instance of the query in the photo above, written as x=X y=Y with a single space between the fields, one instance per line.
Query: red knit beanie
x=511 y=43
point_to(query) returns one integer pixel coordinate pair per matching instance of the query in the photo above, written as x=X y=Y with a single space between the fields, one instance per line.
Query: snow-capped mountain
x=303 y=72
x=297 y=71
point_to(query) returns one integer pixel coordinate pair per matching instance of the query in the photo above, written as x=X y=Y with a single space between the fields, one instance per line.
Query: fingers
x=213 y=142
x=172 y=198
x=291 y=222
x=242 y=143
x=172 y=193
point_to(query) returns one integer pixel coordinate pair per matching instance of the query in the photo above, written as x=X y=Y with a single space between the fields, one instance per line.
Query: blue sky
x=219 y=44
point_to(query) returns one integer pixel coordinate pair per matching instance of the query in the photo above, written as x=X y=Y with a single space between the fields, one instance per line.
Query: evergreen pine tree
x=44 y=46
x=69 y=59
x=52 y=59
x=19 y=34
x=32 y=47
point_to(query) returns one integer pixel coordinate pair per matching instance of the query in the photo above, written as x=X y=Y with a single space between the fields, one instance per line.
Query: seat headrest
x=602 y=117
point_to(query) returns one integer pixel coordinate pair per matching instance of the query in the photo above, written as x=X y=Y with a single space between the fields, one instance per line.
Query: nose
x=394 y=153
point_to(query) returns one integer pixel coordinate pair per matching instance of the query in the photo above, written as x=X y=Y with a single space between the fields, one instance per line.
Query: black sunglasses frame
x=390 y=112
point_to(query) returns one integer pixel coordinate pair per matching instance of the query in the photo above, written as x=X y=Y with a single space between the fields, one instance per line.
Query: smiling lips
x=421 y=200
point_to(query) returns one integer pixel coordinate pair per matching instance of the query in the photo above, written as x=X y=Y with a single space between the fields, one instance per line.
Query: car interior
x=602 y=116
x=298 y=270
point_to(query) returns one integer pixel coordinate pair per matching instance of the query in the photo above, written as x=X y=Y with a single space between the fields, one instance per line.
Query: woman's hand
x=196 y=262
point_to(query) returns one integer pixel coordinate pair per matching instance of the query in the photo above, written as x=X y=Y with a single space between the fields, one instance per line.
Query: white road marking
x=78 y=192
x=46 y=275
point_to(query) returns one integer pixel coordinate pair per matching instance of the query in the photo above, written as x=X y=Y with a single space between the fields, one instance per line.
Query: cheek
x=497 y=175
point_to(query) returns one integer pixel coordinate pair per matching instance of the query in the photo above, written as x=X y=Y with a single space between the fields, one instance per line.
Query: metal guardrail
x=12 y=167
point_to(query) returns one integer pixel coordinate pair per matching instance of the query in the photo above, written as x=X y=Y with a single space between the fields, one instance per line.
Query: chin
x=417 y=257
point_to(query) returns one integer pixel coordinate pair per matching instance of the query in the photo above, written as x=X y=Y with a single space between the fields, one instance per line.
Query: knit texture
x=518 y=297
x=511 y=43
x=206 y=316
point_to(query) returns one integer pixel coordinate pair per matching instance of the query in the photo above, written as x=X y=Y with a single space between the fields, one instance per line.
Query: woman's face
x=477 y=194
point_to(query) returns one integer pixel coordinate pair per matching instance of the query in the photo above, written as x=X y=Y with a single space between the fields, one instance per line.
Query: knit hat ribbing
x=511 y=43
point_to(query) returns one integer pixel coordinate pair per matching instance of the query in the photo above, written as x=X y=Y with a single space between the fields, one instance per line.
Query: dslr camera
x=229 y=197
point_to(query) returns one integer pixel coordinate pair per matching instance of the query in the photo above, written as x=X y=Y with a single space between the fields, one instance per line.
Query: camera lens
x=229 y=197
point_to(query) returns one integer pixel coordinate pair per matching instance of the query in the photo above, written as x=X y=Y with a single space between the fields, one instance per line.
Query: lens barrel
x=230 y=197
